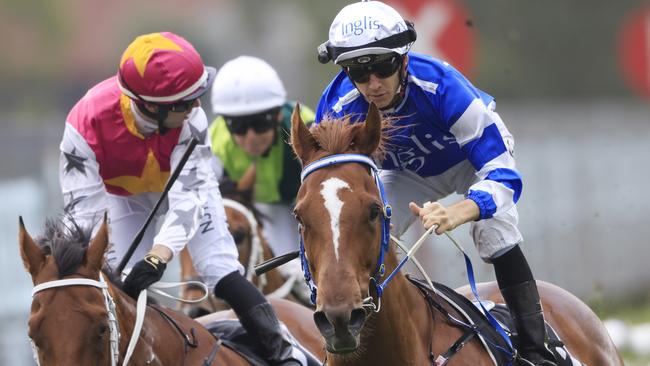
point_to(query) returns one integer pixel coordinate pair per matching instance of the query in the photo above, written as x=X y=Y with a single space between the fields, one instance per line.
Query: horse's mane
x=66 y=242
x=335 y=135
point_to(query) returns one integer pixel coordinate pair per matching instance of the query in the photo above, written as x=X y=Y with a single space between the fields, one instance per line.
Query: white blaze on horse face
x=334 y=205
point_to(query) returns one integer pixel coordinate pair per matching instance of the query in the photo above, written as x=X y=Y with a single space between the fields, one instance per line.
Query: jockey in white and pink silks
x=121 y=141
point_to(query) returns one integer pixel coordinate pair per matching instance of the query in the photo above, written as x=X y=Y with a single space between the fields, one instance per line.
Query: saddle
x=232 y=335
x=476 y=322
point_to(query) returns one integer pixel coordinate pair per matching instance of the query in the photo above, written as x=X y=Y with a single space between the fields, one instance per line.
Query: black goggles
x=360 y=70
x=260 y=123
x=179 y=107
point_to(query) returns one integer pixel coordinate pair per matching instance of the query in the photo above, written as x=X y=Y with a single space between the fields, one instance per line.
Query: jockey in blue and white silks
x=448 y=139
x=447 y=122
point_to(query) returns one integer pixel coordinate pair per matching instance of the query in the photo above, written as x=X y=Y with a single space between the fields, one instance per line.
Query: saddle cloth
x=232 y=335
x=490 y=338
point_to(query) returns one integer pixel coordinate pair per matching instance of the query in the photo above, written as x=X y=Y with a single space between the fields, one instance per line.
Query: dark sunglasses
x=360 y=73
x=179 y=107
x=260 y=123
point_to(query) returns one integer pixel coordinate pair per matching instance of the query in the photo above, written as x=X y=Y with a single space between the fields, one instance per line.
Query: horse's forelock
x=335 y=135
x=67 y=243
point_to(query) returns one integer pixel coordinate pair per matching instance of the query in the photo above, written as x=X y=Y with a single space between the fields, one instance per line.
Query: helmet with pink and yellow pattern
x=163 y=68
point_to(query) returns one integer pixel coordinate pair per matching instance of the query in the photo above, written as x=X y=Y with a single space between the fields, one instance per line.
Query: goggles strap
x=160 y=116
x=327 y=52
x=401 y=88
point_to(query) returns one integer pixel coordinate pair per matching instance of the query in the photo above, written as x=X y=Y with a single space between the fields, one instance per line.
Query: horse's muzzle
x=340 y=327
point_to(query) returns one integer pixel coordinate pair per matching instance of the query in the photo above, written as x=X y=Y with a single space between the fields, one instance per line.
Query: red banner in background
x=444 y=30
x=634 y=51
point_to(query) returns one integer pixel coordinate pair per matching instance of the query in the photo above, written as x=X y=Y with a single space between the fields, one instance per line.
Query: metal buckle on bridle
x=368 y=303
x=388 y=211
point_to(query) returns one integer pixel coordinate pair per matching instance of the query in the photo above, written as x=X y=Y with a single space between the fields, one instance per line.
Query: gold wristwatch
x=154 y=260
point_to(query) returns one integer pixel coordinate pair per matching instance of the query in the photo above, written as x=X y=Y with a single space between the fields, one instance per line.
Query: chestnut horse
x=244 y=224
x=79 y=318
x=345 y=248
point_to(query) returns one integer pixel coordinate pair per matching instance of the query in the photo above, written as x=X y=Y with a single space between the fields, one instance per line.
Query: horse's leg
x=579 y=328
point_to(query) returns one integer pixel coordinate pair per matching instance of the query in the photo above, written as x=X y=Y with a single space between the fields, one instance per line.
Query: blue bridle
x=385 y=226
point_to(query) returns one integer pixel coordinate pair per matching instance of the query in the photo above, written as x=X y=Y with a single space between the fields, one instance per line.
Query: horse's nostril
x=323 y=324
x=357 y=318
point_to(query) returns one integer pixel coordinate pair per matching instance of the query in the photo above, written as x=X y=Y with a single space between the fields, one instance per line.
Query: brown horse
x=340 y=211
x=77 y=318
x=245 y=226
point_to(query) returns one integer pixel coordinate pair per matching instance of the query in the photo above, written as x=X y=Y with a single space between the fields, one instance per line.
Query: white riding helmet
x=366 y=28
x=246 y=85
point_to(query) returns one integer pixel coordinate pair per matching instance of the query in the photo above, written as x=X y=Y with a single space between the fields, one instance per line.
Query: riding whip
x=275 y=262
x=138 y=237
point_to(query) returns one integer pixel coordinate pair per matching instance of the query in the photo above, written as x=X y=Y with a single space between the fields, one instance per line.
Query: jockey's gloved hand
x=143 y=274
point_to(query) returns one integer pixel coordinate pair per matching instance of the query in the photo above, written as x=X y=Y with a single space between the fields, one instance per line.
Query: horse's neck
x=266 y=248
x=407 y=330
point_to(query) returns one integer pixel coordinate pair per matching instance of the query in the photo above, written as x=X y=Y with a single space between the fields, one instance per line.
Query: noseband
x=385 y=226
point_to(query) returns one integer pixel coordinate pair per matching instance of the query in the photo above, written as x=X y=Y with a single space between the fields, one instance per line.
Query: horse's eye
x=295 y=216
x=103 y=329
x=239 y=236
x=374 y=211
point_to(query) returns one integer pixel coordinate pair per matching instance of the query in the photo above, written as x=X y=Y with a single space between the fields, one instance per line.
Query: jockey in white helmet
x=251 y=133
x=449 y=139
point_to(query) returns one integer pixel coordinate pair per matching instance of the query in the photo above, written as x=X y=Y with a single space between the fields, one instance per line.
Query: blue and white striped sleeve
x=338 y=100
x=485 y=140
x=322 y=109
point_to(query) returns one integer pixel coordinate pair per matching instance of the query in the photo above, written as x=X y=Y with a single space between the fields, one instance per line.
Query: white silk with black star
x=86 y=199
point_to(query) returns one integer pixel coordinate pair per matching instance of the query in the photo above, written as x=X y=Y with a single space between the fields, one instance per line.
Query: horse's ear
x=95 y=252
x=33 y=257
x=302 y=141
x=367 y=139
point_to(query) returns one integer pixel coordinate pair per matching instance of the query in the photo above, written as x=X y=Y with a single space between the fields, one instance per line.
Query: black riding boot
x=519 y=290
x=258 y=318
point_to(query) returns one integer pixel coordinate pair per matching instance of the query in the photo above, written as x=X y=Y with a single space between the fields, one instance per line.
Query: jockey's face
x=253 y=143
x=253 y=134
x=381 y=90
